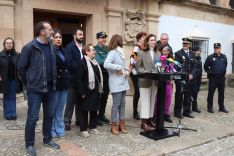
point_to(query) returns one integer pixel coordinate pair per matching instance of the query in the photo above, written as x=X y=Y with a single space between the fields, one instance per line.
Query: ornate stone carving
x=133 y=24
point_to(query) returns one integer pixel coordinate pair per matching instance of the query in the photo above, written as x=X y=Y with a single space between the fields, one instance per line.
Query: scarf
x=91 y=74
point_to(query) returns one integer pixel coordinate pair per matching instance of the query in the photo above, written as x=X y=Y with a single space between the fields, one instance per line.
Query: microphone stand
x=179 y=125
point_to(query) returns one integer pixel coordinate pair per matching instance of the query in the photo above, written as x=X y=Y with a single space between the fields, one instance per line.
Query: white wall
x=177 y=28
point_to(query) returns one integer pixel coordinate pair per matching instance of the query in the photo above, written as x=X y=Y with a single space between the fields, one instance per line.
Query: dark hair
x=86 y=48
x=170 y=55
x=39 y=27
x=116 y=40
x=13 y=42
x=140 y=35
x=146 y=45
x=75 y=31
x=56 y=30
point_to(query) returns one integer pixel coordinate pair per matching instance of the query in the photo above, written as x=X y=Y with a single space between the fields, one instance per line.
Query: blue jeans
x=118 y=106
x=34 y=103
x=9 y=100
x=60 y=99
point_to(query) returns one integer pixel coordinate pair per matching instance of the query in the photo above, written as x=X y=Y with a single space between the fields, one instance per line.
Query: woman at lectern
x=146 y=62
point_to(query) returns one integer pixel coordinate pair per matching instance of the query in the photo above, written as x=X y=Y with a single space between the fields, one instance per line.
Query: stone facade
x=16 y=17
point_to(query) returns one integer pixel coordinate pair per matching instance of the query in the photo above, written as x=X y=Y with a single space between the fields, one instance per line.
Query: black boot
x=136 y=116
x=167 y=118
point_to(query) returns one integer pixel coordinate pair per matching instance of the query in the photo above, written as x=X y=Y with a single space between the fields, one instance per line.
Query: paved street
x=213 y=136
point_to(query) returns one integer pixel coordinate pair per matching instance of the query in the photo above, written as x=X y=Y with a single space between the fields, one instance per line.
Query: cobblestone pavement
x=208 y=140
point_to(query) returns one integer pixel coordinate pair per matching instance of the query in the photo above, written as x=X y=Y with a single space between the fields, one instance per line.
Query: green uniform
x=101 y=54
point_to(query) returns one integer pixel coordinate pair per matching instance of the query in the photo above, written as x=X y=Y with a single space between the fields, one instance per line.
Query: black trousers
x=84 y=120
x=216 y=82
x=183 y=98
x=70 y=105
x=105 y=94
x=136 y=95
x=195 y=90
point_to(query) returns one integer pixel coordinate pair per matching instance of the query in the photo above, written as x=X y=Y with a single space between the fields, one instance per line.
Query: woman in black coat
x=89 y=79
x=61 y=93
x=9 y=82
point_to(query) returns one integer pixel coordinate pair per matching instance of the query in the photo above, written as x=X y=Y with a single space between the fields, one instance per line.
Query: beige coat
x=145 y=64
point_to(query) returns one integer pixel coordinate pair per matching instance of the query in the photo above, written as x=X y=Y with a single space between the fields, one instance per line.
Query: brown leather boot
x=122 y=127
x=144 y=125
x=114 y=128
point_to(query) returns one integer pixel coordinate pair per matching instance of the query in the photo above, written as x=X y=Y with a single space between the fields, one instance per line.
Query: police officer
x=215 y=66
x=197 y=72
x=102 y=51
x=183 y=88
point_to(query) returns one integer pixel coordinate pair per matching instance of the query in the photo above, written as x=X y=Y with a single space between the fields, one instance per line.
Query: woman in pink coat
x=165 y=51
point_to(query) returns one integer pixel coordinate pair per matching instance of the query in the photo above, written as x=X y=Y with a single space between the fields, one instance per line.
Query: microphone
x=163 y=58
x=170 y=60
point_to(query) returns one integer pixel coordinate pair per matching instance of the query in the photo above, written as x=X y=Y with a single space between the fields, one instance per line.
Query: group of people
x=80 y=77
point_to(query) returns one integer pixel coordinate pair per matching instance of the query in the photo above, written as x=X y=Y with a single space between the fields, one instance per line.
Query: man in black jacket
x=183 y=88
x=74 y=51
x=37 y=70
x=215 y=66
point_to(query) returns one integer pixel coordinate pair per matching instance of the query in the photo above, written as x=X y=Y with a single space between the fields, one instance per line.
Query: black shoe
x=13 y=118
x=178 y=116
x=51 y=144
x=167 y=118
x=31 y=150
x=8 y=118
x=67 y=126
x=136 y=116
x=104 y=119
x=197 y=110
x=188 y=115
x=224 y=110
x=210 y=110
x=77 y=123
x=99 y=123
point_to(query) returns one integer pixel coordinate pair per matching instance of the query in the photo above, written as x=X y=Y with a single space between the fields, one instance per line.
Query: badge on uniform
x=214 y=59
x=100 y=52
x=183 y=57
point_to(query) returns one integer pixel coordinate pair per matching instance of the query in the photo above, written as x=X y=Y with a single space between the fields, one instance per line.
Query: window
x=204 y=45
x=231 y=3
x=214 y=2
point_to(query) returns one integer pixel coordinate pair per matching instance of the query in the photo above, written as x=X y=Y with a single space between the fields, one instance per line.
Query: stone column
x=114 y=13
x=152 y=16
x=6 y=20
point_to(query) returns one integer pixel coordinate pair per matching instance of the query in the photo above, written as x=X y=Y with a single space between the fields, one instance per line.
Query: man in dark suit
x=74 y=51
x=183 y=88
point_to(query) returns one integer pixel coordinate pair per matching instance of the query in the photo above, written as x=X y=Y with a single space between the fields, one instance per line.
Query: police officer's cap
x=101 y=34
x=217 y=45
x=186 y=40
x=196 y=48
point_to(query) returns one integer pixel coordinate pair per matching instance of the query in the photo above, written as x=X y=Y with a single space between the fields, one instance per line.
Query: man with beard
x=37 y=70
x=74 y=51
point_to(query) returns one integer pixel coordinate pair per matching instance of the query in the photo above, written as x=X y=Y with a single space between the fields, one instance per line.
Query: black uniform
x=216 y=66
x=183 y=88
x=197 y=73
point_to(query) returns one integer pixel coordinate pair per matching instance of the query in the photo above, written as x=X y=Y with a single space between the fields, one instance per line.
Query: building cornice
x=10 y=3
x=204 y=6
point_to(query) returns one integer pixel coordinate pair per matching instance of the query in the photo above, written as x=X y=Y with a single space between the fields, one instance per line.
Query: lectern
x=161 y=132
